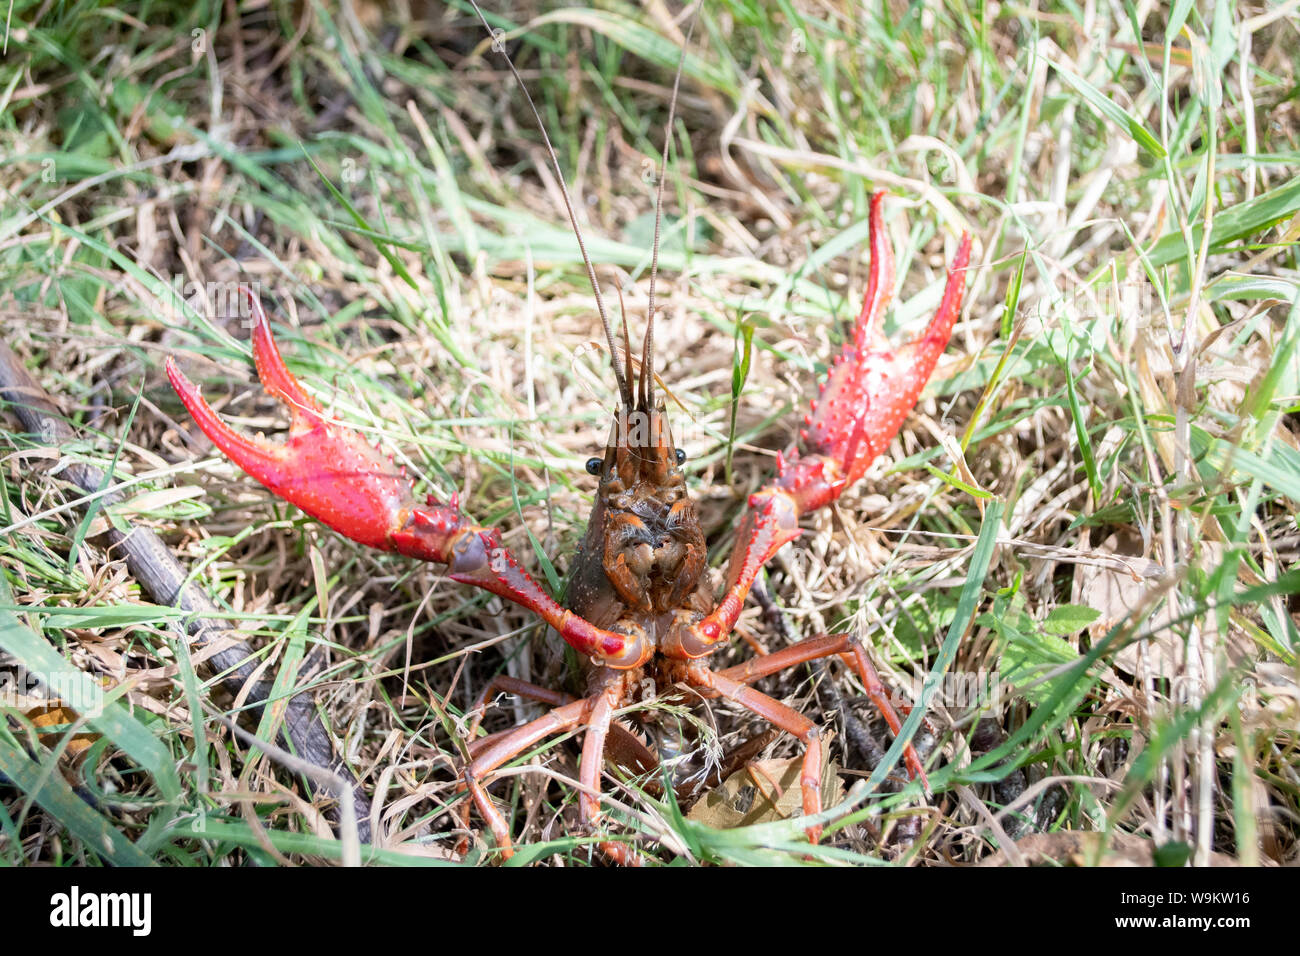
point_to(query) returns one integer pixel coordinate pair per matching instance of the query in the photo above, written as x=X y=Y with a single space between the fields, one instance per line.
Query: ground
x=1085 y=534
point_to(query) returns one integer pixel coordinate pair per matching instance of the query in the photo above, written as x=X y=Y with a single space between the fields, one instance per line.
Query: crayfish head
x=653 y=550
x=640 y=451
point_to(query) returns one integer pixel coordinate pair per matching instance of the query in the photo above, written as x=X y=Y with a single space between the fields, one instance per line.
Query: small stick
x=343 y=787
x=156 y=568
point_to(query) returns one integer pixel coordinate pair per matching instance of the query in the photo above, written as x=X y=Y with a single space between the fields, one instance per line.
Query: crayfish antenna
x=627 y=340
x=647 y=353
x=647 y=384
x=624 y=387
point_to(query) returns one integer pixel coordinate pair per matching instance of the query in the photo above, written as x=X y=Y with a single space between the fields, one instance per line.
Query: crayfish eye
x=681 y=456
x=593 y=465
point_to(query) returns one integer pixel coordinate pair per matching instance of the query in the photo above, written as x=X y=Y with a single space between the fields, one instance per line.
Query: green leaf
x=1260 y=395
x=1028 y=654
x=742 y=354
x=102 y=615
x=1248 y=288
x=1012 y=301
x=164 y=120
x=286 y=675
x=1280 y=470
x=1031 y=648
x=957 y=483
x=1081 y=433
x=1069 y=619
x=1175 y=853
x=241 y=834
x=1241 y=221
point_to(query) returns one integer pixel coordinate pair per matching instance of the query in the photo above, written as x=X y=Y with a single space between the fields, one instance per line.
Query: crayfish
x=639 y=604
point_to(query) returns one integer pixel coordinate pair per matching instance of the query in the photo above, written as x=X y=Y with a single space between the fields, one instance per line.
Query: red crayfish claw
x=871 y=386
x=328 y=471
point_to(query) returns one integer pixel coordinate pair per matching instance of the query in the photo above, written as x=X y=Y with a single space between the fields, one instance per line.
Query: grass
x=1096 y=499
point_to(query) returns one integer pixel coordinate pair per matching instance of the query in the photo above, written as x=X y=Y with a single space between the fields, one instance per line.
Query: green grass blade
x=48 y=789
x=1112 y=111
x=1241 y=221
x=84 y=695
x=972 y=593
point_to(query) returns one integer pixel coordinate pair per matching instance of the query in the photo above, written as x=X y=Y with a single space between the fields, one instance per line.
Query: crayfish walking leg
x=851 y=651
x=595 y=713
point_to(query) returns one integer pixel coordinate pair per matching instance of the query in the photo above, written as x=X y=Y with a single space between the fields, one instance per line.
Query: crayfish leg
x=779 y=715
x=853 y=654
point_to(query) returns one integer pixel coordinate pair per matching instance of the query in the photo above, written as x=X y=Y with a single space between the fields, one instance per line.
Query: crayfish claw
x=271 y=370
x=871 y=386
x=251 y=453
x=328 y=471
x=880 y=280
